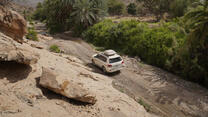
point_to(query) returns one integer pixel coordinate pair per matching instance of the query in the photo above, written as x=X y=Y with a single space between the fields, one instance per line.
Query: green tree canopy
x=115 y=7
x=61 y=15
x=131 y=8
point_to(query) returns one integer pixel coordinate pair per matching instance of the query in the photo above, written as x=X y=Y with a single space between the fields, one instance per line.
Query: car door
x=97 y=59
x=101 y=61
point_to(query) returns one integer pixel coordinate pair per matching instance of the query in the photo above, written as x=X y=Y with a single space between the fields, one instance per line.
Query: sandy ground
x=162 y=93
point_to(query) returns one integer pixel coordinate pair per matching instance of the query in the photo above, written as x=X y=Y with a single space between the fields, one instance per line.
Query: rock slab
x=56 y=83
x=10 y=50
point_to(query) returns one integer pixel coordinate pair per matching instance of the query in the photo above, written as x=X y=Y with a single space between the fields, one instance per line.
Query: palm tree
x=198 y=20
x=57 y=12
x=197 y=43
x=62 y=15
x=88 y=12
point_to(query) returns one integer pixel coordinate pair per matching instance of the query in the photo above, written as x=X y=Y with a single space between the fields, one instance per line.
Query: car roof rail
x=109 y=52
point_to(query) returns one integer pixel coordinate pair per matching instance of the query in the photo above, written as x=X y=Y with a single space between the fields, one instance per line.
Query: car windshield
x=114 y=60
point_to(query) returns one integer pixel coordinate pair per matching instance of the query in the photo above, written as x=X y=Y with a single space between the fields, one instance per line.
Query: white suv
x=109 y=61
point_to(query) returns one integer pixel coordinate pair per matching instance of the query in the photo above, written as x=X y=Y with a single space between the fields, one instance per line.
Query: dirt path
x=159 y=91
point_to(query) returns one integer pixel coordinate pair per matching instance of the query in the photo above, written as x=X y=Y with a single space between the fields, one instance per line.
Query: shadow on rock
x=68 y=35
x=14 y=71
x=54 y=96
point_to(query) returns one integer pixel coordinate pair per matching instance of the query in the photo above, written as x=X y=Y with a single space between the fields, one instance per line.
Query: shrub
x=141 y=10
x=193 y=55
x=27 y=15
x=63 y=15
x=146 y=106
x=166 y=45
x=154 y=45
x=40 y=12
x=116 y=7
x=55 y=48
x=163 y=45
x=178 y=7
x=32 y=34
x=132 y=9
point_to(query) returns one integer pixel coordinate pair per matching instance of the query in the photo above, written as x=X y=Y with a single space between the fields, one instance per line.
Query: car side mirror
x=96 y=56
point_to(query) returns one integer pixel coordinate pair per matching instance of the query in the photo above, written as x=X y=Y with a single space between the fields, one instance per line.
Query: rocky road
x=160 y=92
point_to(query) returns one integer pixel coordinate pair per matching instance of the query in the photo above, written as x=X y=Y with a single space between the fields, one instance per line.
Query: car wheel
x=93 y=62
x=104 y=70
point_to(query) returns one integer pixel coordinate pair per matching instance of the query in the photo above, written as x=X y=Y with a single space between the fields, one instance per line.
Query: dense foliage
x=61 y=15
x=160 y=44
x=116 y=7
x=194 y=55
x=155 y=45
x=32 y=34
x=157 y=7
x=132 y=9
x=55 y=48
x=175 y=8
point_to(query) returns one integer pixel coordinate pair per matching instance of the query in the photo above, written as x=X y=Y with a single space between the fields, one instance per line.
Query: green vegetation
x=62 y=15
x=116 y=7
x=193 y=57
x=55 y=48
x=100 y=48
x=122 y=90
x=132 y=9
x=154 y=45
x=40 y=13
x=161 y=44
x=144 y=104
x=175 y=8
x=178 y=7
x=27 y=15
x=32 y=34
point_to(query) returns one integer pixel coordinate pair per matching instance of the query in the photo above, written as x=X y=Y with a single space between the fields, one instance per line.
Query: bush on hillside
x=40 y=12
x=132 y=9
x=154 y=45
x=32 y=34
x=195 y=49
x=165 y=45
x=63 y=15
x=116 y=7
x=141 y=10
x=175 y=8
x=55 y=48
x=178 y=7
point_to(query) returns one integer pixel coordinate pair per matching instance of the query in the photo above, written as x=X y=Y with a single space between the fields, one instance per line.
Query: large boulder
x=12 y=24
x=66 y=87
x=10 y=50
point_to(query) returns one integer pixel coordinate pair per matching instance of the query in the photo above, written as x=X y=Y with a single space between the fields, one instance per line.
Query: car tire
x=93 y=62
x=104 y=70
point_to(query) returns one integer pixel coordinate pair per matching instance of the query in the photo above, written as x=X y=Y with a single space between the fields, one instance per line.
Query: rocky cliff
x=12 y=24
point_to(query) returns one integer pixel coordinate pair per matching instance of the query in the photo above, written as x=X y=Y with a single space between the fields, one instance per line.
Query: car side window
x=97 y=56
x=102 y=58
